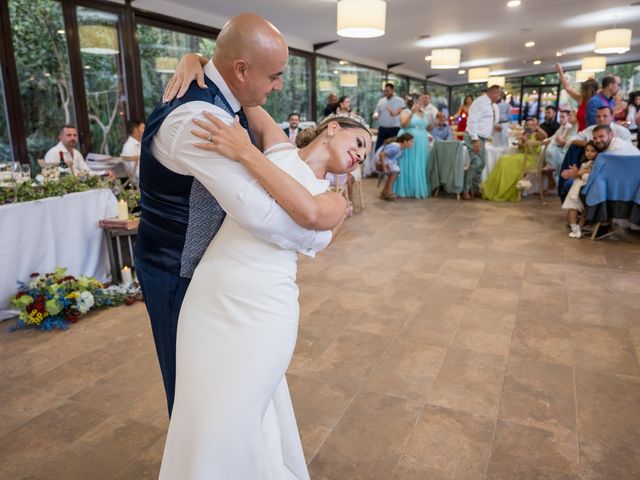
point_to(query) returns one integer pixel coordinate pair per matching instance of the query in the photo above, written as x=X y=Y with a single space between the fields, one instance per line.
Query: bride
x=233 y=417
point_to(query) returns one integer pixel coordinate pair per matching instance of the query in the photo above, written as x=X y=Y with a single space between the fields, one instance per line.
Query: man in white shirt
x=67 y=147
x=604 y=116
x=388 y=114
x=429 y=109
x=605 y=141
x=131 y=147
x=481 y=124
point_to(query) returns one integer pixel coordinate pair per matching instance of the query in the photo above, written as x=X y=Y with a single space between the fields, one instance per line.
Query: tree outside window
x=42 y=63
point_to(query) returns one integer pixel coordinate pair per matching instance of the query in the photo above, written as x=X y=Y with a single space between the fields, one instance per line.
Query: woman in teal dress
x=412 y=181
x=500 y=186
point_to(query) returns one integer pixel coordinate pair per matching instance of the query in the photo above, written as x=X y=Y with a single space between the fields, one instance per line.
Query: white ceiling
x=495 y=35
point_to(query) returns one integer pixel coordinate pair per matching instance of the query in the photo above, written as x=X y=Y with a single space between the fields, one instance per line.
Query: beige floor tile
x=609 y=424
x=520 y=452
x=368 y=440
x=485 y=331
x=603 y=348
x=540 y=395
x=407 y=369
x=544 y=341
x=470 y=382
x=454 y=444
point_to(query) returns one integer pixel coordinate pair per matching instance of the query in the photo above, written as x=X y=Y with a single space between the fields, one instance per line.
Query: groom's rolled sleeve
x=236 y=190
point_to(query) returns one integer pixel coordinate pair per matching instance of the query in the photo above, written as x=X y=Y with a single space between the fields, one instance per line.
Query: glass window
x=40 y=50
x=401 y=84
x=295 y=95
x=439 y=96
x=362 y=85
x=460 y=91
x=160 y=51
x=417 y=86
x=5 y=141
x=103 y=79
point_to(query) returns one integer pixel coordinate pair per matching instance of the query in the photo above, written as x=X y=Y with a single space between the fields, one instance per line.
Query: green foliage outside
x=42 y=63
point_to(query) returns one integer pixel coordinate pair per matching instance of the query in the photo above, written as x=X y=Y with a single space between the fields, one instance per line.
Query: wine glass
x=16 y=171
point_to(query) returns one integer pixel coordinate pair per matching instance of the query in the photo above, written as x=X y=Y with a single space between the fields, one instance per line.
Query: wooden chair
x=532 y=164
x=131 y=165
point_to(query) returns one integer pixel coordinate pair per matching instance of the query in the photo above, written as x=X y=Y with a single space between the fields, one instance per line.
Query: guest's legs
x=473 y=175
x=388 y=186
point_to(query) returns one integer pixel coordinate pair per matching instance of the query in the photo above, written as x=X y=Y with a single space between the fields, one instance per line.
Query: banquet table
x=492 y=155
x=42 y=235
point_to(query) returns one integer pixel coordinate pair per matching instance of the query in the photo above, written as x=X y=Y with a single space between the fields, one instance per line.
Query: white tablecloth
x=42 y=235
x=492 y=156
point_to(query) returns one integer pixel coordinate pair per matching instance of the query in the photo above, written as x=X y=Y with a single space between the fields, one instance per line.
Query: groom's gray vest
x=179 y=215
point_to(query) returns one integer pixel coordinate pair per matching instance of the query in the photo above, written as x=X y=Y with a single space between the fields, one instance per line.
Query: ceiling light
x=343 y=62
x=60 y=32
x=361 y=18
x=166 y=64
x=500 y=81
x=478 y=75
x=530 y=44
x=594 y=64
x=453 y=39
x=445 y=58
x=582 y=76
x=537 y=62
x=98 y=39
x=461 y=72
x=335 y=72
x=325 y=85
x=613 y=41
x=513 y=3
x=428 y=58
x=559 y=53
x=349 y=80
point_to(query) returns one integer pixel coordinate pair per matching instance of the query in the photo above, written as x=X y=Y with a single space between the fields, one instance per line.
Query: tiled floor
x=438 y=340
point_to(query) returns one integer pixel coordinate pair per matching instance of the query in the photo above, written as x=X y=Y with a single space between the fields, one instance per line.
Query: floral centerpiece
x=55 y=300
x=24 y=192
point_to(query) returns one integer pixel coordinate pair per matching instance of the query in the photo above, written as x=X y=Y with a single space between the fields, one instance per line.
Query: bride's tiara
x=348 y=116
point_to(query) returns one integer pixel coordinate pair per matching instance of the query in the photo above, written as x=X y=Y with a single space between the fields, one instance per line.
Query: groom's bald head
x=251 y=55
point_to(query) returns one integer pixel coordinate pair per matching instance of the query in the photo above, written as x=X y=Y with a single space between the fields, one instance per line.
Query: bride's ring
x=210 y=137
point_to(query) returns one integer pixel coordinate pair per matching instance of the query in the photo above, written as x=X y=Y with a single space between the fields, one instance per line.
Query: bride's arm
x=264 y=129
x=189 y=68
x=317 y=212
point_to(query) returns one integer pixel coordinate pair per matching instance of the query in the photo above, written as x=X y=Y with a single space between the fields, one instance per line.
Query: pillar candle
x=125 y=273
x=123 y=211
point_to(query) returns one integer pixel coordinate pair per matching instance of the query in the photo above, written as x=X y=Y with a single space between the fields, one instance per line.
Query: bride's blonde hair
x=345 y=120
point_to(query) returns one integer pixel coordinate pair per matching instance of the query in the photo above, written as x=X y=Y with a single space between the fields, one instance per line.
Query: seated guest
x=344 y=105
x=605 y=141
x=67 y=149
x=131 y=147
x=604 y=116
x=387 y=163
x=502 y=181
x=550 y=124
x=558 y=146
x=604 y=98
x=332 y=104
x=292 y=130
x=441 y=129
x=572 y=202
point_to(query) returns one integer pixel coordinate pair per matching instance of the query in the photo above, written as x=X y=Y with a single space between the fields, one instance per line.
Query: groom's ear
x=240 y=67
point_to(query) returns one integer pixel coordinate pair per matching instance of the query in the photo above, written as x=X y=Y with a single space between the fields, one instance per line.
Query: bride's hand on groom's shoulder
x=188 y=69
x=230 y=141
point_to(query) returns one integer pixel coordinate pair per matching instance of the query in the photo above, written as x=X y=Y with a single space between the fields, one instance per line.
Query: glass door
x=535 y=98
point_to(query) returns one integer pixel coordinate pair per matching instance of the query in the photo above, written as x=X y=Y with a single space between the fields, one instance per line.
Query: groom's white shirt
x=238 y=193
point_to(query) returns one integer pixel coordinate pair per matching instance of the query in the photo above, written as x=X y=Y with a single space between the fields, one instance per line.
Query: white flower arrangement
x=85 y=302
x=523 y=185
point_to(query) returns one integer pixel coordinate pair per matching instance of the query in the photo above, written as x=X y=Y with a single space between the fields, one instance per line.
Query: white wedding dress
x=232 y=417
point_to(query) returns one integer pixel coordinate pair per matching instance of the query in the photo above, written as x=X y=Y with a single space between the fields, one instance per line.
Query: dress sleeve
x=238 y=193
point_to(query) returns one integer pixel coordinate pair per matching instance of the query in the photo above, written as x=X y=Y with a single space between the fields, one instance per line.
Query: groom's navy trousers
x=178 y=222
